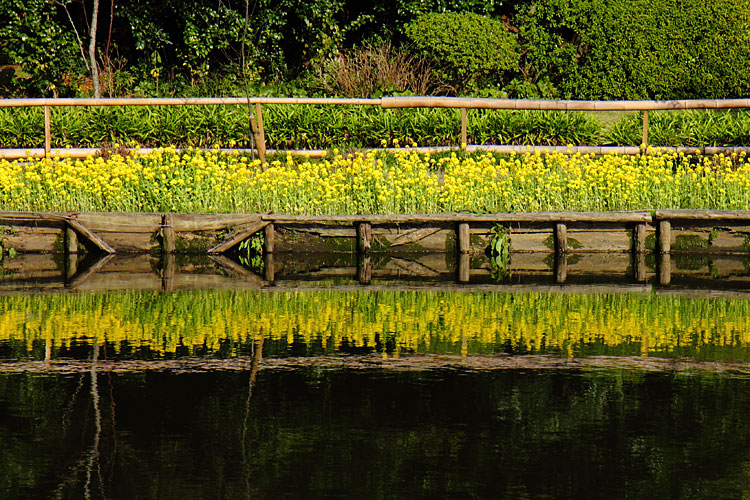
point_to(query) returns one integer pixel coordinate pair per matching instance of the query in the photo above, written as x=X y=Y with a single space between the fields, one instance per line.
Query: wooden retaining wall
x=560 y=232
x=661 y=231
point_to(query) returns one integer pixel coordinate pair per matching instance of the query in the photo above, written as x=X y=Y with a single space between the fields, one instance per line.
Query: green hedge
x=467 y=50
x=635 y=49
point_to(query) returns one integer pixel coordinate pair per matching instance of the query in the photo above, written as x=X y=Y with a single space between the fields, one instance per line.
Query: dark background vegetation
x=599 y=49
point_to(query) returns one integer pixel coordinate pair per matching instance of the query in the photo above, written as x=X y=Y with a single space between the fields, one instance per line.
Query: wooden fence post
x=561 y=238
x=644 y=138
x=464 y=127
x=47 y=131
x=260 y=134
x=364 y=237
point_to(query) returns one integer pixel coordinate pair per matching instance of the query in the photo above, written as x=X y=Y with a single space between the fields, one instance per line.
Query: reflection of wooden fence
x=458 y=236
x=387 y=103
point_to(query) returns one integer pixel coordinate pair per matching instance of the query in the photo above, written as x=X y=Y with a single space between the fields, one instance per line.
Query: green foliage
x=467 y=50
x=38 y=55
x=635 y=49
x=251 y=252
x=499 y=250
x=291 y=127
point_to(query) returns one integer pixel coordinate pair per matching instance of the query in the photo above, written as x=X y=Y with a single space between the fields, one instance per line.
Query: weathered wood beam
x=92 y=237
x=237 y=236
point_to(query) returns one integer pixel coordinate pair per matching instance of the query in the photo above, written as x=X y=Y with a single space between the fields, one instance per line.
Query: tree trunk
x=92 y=50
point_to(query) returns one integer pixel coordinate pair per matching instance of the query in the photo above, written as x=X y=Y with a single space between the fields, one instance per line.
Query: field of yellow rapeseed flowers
x=422 y=322
x=375 y=182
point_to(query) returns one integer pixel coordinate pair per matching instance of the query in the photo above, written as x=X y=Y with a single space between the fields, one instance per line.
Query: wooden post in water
x=364 y=268
x=464 y=238
x=464 y=267
x=561 y=268
x=167 y=271
x=364 y=237
x=71 y=240
x=71 y=266
x=168 y=237
x=561 y=238
x=664 y=233
x=269 y=267
x=639 y=238
x=665 y=269
x=639 y=267
x=269 y=235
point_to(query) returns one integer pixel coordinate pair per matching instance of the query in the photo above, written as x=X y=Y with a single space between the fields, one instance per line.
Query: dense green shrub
x=467 y=50
x=634 y=49
x=38 y=55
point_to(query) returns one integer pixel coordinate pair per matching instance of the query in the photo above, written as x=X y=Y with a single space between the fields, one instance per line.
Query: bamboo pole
x=464 y=126
x=394 y=102
x=47 y=131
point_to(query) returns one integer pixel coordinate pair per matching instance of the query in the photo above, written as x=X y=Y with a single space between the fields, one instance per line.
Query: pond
x=318 y=387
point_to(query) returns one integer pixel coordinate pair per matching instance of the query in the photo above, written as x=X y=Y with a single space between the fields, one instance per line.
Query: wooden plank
x=595 y=217
x=81 y=277
x=413 y=236
x=184 y=223
x=118 y=222
x=93 y=238
x=714 y=215
x=239 y=235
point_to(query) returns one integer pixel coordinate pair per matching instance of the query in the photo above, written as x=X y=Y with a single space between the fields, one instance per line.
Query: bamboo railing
x=462 y=103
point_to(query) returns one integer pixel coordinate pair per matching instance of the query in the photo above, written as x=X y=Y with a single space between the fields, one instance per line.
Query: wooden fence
x=461 y=103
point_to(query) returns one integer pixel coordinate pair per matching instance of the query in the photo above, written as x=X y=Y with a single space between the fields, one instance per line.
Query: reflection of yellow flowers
x=376 y=182
x=415 y=321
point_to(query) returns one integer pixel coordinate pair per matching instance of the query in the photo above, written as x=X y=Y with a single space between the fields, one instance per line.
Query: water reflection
x=49 y=272
x=159 y=325
x=310 y=433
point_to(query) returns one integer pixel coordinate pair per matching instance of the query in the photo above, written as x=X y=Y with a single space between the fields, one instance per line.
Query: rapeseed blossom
x=194 y=180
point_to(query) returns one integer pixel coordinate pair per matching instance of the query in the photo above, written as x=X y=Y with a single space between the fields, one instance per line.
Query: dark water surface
x=340 y=433
x=331 y=389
